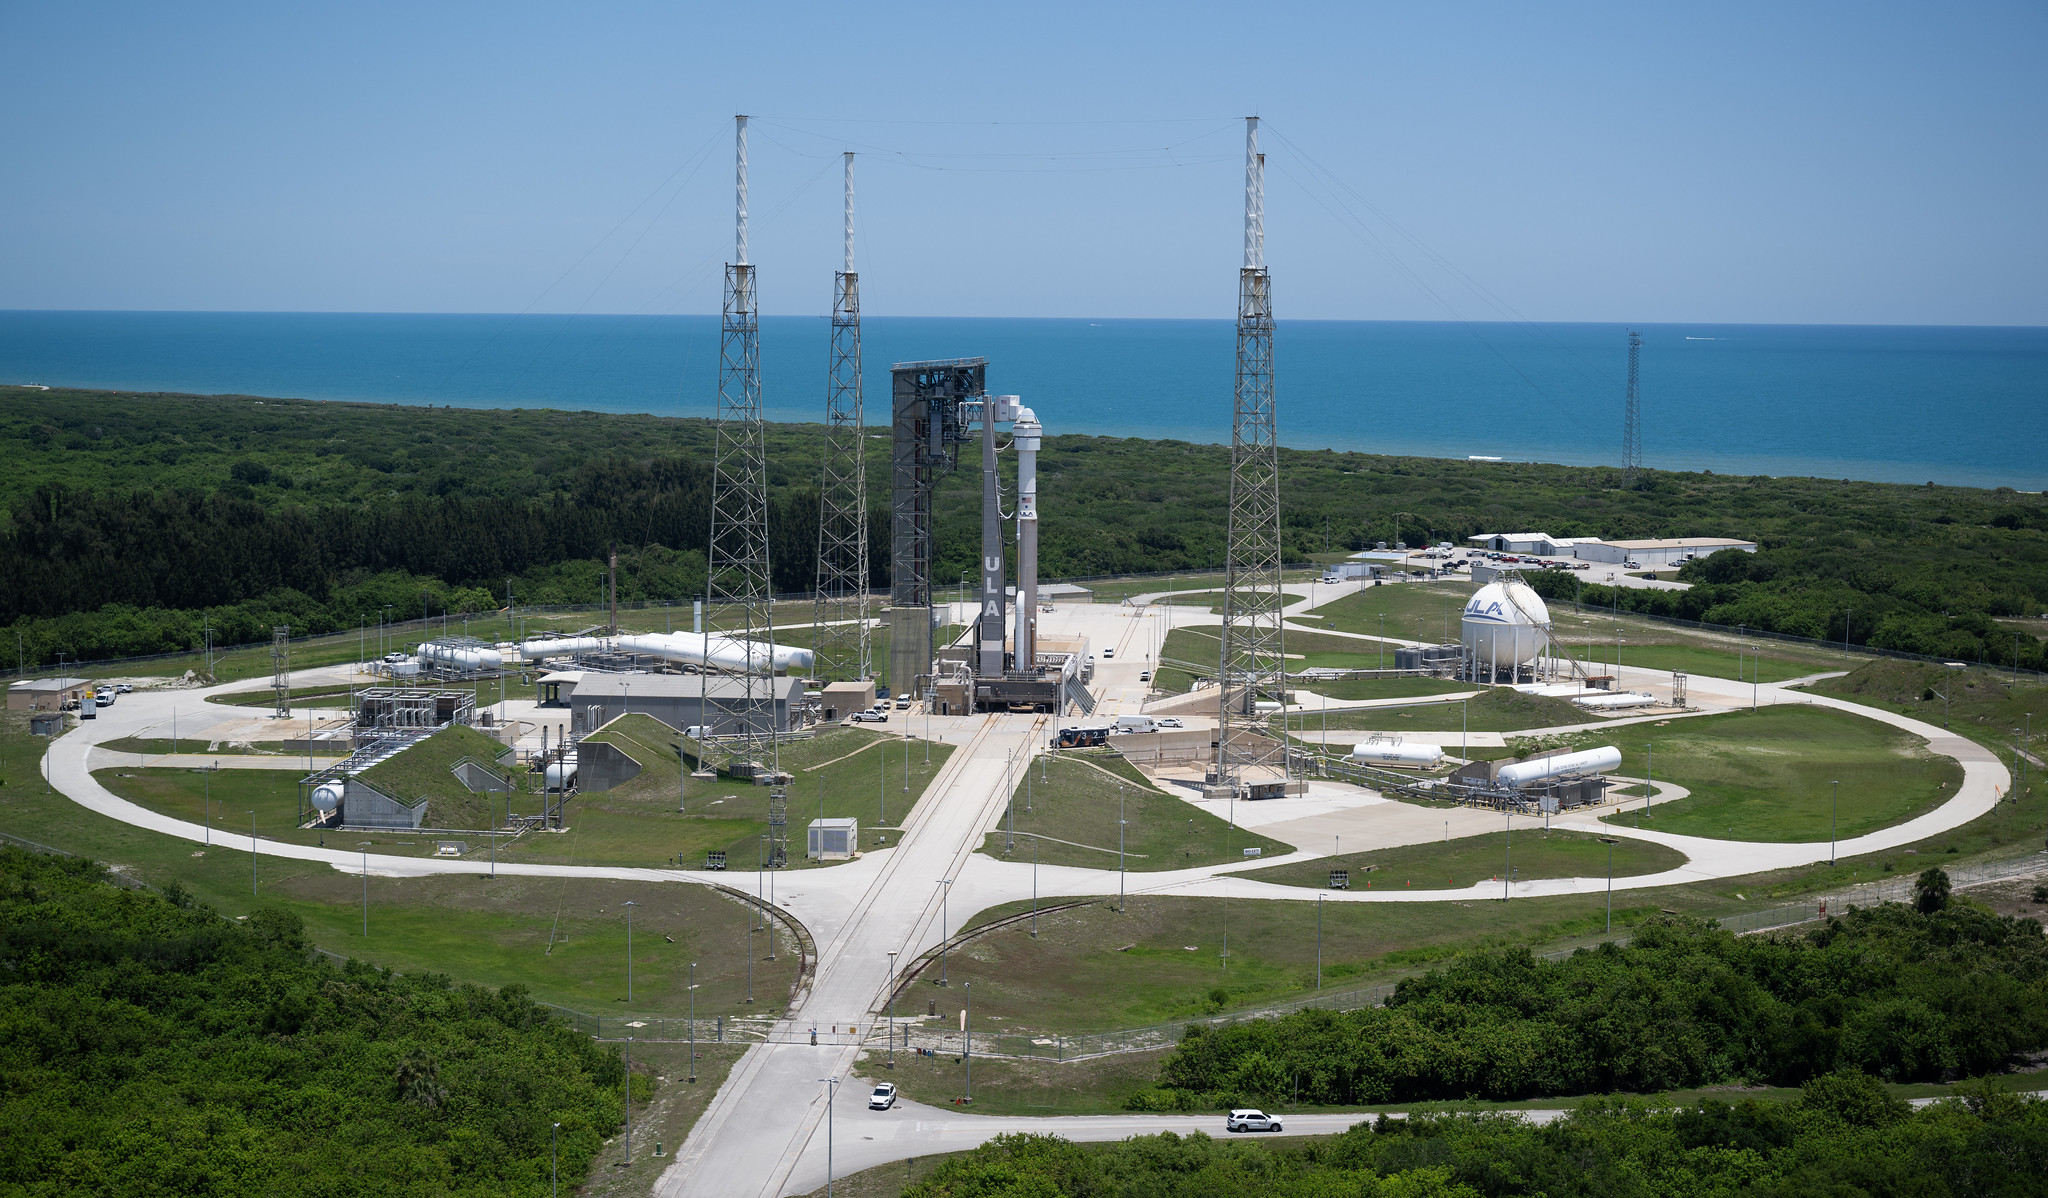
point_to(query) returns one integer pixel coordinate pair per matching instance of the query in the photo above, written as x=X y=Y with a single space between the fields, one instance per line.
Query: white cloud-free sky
x=1739 y=162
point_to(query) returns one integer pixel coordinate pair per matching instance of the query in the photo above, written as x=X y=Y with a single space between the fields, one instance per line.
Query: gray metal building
x=678 y=700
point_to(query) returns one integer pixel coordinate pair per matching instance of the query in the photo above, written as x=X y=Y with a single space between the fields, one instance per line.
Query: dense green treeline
x=1844 y=1137
x=1891 y=991
x=172 y=504
x=147 y=1047
x=1779 y=590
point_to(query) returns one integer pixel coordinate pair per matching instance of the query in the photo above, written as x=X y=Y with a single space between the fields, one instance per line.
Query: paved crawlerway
x=760 y=1135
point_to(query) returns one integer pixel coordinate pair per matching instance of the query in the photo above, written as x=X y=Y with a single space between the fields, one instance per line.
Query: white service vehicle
x=1247 y=1119
x=1136 y=723
x=869 y=717
x=883 y=1098
x=1168 y=721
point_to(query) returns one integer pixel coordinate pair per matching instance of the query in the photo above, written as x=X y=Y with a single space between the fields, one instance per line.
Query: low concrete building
x=679 y=700
x=1658 y=554
x=46 y=694
x=842 y=699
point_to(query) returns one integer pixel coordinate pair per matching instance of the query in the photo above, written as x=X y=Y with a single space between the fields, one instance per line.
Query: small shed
x=47 y=723
x=833 y=839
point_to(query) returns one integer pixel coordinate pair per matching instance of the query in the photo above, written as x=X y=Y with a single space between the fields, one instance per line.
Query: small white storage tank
x=1505 y=625
x=327 y=797
x=1393 y=752
x=1591 y=761
x=1616 y=700
x=559 y=776
x=462 y=657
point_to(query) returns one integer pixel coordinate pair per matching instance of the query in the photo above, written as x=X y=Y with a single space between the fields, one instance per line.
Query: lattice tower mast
x=1632 y=416
x=1251 y=666
x=844 y=641
x=280 y=669
x=737 y=586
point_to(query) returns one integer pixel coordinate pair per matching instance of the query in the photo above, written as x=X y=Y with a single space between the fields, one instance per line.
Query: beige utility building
x=47 y=694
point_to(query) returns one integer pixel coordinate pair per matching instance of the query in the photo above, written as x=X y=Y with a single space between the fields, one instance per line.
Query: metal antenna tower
x=280 y=674
x=844 y=642
x=1632 y=417
x=738 y=582
x=1252 y=667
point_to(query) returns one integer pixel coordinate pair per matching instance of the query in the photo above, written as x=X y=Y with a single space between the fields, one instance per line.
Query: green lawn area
x=1354 y=689
x=1022 y=1086
x=1067 y=798
x=157 y=746
x=1497 y=709
x=1414 y=611
x=859 y=774
x=1455 y=864
x=1980 y=704
x=426 y=771
x=1214 y=599
x=1768 y=775
x=1092 y=969
x=1116 y=590
x=1200 y=646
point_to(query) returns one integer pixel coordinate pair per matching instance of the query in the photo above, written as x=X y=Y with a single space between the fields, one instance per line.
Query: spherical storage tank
x=1505 y=625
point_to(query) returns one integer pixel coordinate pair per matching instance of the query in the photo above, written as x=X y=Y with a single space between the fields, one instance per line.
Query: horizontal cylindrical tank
x=1615 y=701
x=719 y=652
x=327 y=797
x=461 y=657
x=1505 y=624
x=559 y=776
x=1383 y=752
x=1591 y=761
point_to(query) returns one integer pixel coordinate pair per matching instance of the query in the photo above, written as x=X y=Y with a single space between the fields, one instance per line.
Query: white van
x=1136 y=723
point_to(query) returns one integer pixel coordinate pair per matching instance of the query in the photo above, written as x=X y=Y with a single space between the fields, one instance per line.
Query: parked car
x=1249 y=1120
x=1108 y=653
x=869 y=717
x=1168 y=721
x=124 y=689
x=883 y=1098
x=903 y=702
x=1145 y=676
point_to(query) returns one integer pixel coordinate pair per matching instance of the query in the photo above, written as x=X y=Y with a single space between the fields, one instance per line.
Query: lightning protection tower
x=737 y=588
x=1632 y=417
x=844 y=644
x=1251 y=667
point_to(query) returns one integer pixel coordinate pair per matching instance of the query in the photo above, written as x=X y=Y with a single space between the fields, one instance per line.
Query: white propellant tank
x=690 y=648
x=1590 y=761
x=1393 y=752
x=327 y=797
x=1506 y=626
x=461 y=657
x=559 y=776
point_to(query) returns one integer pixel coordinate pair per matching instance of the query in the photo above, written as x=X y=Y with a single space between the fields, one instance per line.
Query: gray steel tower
x=1632 y=417
x=738 y=588
x=1251 y=668
x=844 y=642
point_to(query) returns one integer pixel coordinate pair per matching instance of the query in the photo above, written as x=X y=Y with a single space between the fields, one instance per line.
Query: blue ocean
x=1885 y=403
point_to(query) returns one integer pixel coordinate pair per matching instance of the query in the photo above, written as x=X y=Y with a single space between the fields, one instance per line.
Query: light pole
x=206 y=784
x=1034 y=888
x=1609 y=842
x=831 y=1089
x=1834 y=805
x=252 y=853
x=629 y=949
x=555 y=1161
x=1121 y=824
x=892 y=1010
x=366 y=887
x=967 y=1034
x=752 y=917
x=945 y=896
x=1319 y=940
x=1507 y=868
x=693 y=1023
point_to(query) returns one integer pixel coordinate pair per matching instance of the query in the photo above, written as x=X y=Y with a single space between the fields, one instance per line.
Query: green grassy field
x=1353 y=689
x=1092 y=969
x=1067 y=798
x=157 y=746
x=425 y=771
x=1768 y=775
x=853 y=771
x=1200 y=646
x=1413 y=611
x=1980 y=704
x=1019 y=1087
x=1214 y=599
x=1456 y=864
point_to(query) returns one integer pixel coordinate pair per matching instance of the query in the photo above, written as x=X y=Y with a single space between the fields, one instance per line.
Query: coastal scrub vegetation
x=1903 y=993
x=128 y=519
x=151 y=1046
x=1843 y=1137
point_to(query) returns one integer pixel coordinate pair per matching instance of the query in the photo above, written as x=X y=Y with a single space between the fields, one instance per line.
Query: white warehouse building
x=1656 y=555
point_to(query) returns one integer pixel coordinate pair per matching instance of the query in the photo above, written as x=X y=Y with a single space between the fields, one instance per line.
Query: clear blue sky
x=1769 y=162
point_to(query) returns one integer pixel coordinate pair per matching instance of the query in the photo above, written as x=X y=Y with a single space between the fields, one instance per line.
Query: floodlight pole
x=555 y=1161
x=366 y=889
x=693 y=1023
x=1319 y=940
x=629 y=950
x=1034 y=888
x=1507 y=868
x=206 y=784
x=1609 y=842
x=1121 y=823
x=946 y=896
x=1834 y=805
x=252 y=854
x=967 y=1034
x=892 y=1010
x=831 y=1088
